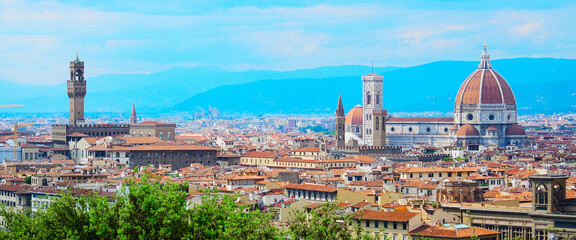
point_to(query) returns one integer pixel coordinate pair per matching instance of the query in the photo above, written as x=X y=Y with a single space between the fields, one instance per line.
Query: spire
x=133 y=117
x=340 y=108
x=77 y=60
x=485 y=60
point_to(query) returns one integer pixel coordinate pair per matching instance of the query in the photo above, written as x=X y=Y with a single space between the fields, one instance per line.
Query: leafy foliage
x=152 y=210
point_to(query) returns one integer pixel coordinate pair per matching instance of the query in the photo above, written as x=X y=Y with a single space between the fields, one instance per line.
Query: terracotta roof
x=485 y=86
x=246 y=178
x=440 y=231
x=436 y=169
x=385 y=216
x=492 y=128
x=308 y=149
x=140 y=140
x=257 y=154
x=467 y=130
x=514 y=130
x=355 y=116
x=318 y=188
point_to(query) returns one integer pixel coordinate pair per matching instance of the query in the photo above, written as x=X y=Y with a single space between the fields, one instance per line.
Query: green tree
x=220 y=217
x=150 y=209
x=325 y=222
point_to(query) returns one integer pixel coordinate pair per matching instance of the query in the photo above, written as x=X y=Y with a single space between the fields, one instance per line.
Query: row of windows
x=30 y=156
x=8 y=193
x=158 y=163
x=392 y=129
x=382 y=224
x=459 y=174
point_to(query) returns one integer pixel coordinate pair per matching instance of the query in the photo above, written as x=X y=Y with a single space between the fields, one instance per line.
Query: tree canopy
x=152 y=210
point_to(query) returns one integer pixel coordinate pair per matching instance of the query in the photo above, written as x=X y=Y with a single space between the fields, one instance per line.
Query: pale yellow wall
x=347 y=196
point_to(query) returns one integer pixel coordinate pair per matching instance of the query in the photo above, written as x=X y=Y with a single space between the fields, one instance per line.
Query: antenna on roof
x=372 y=65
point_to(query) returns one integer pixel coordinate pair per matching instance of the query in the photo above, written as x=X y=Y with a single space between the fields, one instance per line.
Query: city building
x=484 y=114
x=76 y=92
x=551 y=214
x=63 y=134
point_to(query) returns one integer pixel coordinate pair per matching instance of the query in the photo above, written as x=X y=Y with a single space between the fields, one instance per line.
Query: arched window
x=377 y=122
x=378 y=98
x=368 y=98
x=558 y=194
x=117 y=154
x=169 y=138
x=541 y=197
x=78 y=76
x=161 y=136
x=357 y=129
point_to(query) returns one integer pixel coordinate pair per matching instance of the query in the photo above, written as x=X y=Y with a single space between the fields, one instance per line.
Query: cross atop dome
x=485 y=60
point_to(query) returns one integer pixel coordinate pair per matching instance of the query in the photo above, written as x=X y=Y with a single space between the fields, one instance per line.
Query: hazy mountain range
x=540 y=85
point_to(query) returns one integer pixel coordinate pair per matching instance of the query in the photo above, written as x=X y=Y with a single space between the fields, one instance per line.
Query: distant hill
x=152 y=92
x=540 y=85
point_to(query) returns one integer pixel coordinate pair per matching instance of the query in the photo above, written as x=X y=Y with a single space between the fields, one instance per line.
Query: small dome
x=355 y=116
x=467 y=131
x=515 y=130
x=492 y=128
x=454 y=127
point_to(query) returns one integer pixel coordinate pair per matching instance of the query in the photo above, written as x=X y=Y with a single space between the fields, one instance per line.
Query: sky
x=39 y=38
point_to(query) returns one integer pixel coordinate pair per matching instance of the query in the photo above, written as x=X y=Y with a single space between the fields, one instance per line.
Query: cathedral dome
x=485 y=86
x=467 y=131
x=354 y=116
x=492 y=128
x=515 y=130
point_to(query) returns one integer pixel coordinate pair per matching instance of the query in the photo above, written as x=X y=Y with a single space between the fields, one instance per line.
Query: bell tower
x=371 y=102
x=76 y=92
x=548 y=192
x=340 y=123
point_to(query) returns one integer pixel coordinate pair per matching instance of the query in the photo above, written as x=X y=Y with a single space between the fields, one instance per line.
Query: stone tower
x=548 y=192
x=340 y=123
x=133 y=117
x=76 y=92
x=379 y=128
x=371 y=102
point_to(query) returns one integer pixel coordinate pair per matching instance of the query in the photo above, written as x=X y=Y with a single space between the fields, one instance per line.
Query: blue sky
x=38 y=38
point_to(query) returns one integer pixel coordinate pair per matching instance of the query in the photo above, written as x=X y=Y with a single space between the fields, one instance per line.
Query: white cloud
x=47 y=34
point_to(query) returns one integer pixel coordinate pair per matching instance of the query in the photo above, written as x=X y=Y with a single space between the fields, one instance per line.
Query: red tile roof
x=385 y=216
x=438 y=231
x=310 y=187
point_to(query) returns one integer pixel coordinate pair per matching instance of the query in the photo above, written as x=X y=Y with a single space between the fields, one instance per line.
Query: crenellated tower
x=76 y=92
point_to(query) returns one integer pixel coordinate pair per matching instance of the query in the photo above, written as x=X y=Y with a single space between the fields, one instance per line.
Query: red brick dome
x=492 y=128
x=515 y=130
x=485 y=86
x=467 y=131
x=355 y=116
